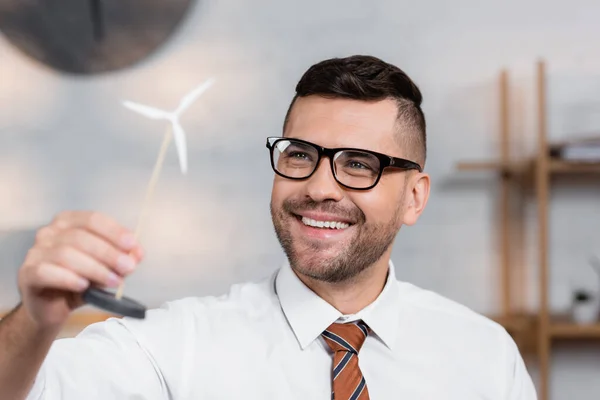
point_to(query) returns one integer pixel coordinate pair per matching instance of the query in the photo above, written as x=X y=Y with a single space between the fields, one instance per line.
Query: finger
x=137 y=253
x=34 y=256
x=44 y=237
x=51 y=276
x=99 y=224
x=99 y=249
x=83 y=265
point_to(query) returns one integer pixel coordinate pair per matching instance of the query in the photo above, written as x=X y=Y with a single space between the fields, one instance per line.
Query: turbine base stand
x=107 y=301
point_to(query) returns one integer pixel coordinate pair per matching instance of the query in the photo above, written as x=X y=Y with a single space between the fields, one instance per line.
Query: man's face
x=370 y=219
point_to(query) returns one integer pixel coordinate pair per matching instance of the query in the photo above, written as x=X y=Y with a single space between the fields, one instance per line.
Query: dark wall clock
x=90 y=36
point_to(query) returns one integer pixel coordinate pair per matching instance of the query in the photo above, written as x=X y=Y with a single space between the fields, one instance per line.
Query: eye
x=357 y=165
x=298 y=155
x=297 y=152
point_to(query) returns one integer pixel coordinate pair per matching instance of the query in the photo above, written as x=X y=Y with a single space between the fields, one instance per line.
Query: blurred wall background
x=67 y=143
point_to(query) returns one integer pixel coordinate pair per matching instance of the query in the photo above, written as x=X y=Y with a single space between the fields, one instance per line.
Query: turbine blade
x=180 y=145
x=147 y=111
x=189 y=98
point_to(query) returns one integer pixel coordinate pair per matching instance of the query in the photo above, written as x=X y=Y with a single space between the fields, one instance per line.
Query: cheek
x=379 y=207
x=381 y=213
x=282 y=190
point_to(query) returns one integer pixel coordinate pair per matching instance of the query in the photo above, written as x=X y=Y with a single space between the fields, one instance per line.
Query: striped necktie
x=346 y=340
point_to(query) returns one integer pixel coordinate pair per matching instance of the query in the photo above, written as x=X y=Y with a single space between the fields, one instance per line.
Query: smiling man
x=332 y=323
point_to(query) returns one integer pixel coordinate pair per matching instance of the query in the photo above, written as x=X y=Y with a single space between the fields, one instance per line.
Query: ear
x=416 y=196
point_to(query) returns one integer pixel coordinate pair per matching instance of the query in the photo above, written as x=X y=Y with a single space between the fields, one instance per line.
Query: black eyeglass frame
x=385 y=161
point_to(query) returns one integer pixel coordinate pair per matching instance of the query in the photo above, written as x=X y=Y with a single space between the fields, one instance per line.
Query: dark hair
x=370 y=79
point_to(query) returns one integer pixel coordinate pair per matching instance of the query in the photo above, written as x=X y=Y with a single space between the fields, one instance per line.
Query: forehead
x=344 y=123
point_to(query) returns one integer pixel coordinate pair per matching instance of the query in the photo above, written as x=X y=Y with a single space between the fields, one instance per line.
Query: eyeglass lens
x=352 y=168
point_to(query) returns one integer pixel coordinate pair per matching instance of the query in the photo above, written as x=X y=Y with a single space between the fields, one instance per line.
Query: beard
x=368 y=244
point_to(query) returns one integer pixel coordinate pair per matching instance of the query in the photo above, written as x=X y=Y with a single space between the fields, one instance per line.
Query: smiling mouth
x=332 y=224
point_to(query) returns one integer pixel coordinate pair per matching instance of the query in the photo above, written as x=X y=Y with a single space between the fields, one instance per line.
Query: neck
x=351 y=296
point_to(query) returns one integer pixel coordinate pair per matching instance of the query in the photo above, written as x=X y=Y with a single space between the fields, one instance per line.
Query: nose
x=322 y=185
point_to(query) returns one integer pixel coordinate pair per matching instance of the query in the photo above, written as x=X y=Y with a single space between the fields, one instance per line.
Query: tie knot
x=346 y=337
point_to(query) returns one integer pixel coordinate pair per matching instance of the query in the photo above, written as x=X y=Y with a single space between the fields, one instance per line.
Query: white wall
x=67 y=143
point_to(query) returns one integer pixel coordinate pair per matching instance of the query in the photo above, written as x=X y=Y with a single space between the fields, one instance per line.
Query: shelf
x=87 y=317
x=523 y=330
x=79 y=319
x=564 y=328
x=490 y=166
x=557 y=167
x=574 y=167
x=480 y=166
x=515 y=323
x=561 y=327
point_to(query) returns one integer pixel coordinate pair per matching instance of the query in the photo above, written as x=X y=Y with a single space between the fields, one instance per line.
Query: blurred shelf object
x=77 y=321
x=581 y=149
x=580 y=157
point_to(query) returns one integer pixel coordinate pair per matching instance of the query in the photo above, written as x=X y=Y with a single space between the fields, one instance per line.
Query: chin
x=327 y=265
x=317 y=272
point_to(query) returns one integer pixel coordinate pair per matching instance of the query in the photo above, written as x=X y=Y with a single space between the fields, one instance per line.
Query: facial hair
x=368 y=245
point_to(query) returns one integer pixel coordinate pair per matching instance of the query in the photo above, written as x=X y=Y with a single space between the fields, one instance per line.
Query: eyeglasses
x=353 y=168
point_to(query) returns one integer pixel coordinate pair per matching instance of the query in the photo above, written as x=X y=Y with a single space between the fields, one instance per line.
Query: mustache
x=354 y=214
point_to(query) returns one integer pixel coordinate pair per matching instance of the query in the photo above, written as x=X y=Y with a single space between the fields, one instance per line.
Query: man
x=333 y=322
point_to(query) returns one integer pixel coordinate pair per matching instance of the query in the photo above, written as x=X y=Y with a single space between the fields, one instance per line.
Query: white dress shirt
x=262 y=341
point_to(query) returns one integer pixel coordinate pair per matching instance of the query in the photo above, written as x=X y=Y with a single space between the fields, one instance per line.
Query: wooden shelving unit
x=532 y=332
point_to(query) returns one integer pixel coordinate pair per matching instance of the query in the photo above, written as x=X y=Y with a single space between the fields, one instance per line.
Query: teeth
x=324 y=224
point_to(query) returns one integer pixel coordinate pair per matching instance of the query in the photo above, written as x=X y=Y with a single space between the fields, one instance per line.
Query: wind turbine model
x=116 y=302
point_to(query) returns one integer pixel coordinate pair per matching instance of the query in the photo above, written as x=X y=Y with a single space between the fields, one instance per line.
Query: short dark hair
x=368 y=78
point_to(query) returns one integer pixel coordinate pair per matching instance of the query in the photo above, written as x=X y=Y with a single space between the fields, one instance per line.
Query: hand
x=76 y=249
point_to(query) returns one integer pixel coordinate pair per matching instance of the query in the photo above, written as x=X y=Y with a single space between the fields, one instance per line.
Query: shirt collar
x=309 y=315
